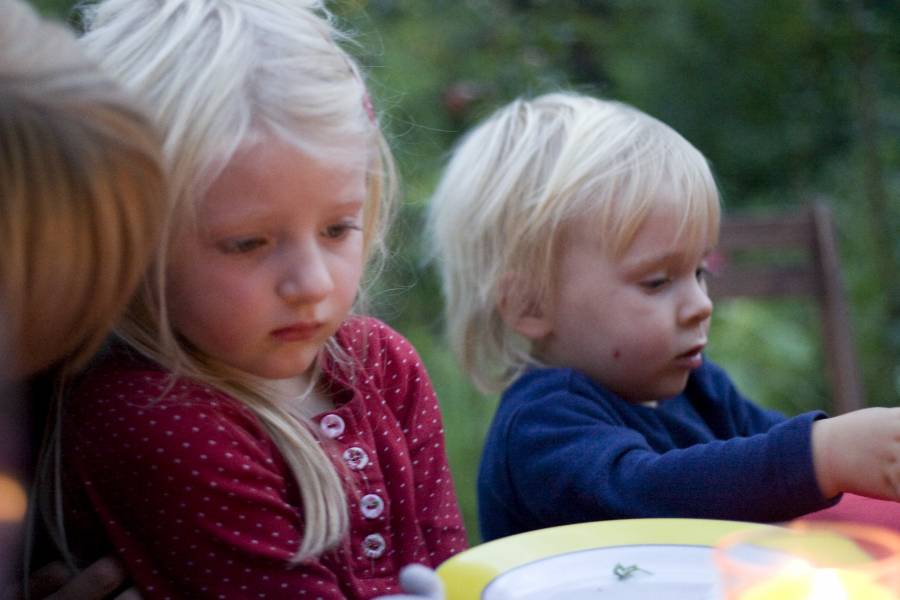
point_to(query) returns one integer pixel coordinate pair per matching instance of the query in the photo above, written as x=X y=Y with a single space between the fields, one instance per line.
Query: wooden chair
x=793 y=254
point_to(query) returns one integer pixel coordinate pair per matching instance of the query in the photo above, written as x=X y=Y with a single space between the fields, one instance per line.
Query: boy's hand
x=420 y=583
x=859 y=452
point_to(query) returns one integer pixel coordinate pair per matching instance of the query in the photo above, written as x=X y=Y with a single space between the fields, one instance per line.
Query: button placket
x=360 y=462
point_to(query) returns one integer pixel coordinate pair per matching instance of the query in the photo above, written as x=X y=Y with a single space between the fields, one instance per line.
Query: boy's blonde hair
x=82 y=195
x=517 y=178
x=219 y=75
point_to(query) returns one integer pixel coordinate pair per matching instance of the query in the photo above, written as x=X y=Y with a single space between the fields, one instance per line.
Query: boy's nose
x=698 y=306
x=305 y=277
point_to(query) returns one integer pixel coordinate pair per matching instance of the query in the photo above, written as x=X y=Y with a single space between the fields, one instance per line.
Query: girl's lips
x=297 y=332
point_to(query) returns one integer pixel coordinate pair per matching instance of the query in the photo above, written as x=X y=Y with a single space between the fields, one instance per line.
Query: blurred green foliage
x=788 y=100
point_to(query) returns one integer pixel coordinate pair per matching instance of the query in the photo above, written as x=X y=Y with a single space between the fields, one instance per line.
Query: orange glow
x=13 y=500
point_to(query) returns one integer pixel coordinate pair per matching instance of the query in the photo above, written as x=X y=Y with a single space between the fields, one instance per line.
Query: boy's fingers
x=94 y=583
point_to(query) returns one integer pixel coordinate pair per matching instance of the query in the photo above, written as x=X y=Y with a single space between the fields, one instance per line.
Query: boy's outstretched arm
x=605 y=470
x=859 y=452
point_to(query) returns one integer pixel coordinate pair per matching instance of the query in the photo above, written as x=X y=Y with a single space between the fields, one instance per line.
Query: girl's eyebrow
x=226 y=218
x=255 y=212
x=349 y=204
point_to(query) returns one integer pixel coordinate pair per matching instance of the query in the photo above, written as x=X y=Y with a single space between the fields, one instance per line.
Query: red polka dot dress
x=195 y=498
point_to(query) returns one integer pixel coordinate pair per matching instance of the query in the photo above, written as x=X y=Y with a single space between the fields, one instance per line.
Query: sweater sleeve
x=567 y=457
x=190 y=492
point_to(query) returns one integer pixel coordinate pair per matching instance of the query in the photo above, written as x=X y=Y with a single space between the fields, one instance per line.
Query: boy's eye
x=241 y=245
x=702 y=274
x=338 y=230
x=655 y=283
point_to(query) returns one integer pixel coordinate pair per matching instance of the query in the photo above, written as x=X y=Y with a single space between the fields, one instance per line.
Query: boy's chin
x=658 y=390
x=668 y=390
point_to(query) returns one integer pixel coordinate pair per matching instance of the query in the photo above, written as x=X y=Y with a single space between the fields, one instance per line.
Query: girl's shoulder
x=129 y=375
x=374 y=345
x=129 y=389
x=382 y=364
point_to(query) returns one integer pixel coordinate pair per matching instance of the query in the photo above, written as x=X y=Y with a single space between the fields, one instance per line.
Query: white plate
x=674 y=572
x=577 y=562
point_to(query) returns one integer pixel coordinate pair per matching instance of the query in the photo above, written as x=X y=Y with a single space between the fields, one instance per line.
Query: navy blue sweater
x=562 y=449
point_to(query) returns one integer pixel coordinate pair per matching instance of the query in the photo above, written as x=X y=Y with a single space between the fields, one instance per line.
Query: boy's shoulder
x=551 y=388
x=709 y=381
x=536 y=382
x=544 y=399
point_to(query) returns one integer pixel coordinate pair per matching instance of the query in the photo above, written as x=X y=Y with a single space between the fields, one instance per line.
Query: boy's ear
x=521 y=311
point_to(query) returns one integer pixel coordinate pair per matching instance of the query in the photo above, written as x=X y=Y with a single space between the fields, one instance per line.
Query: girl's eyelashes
x=245 y=245
x=241 y=245
x=339 y=230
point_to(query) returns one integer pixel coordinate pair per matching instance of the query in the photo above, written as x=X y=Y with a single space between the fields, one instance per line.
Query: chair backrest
x=793 y=254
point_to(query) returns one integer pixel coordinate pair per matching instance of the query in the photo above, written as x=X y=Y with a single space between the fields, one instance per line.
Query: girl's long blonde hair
x=216 y=75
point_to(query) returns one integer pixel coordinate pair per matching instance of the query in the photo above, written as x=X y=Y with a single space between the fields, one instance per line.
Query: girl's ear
x=522 y=310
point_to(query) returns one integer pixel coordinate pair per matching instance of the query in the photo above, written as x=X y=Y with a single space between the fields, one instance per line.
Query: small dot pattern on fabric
x=189 y=491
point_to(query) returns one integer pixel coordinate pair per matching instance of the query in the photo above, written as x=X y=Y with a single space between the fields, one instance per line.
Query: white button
x=356 y=458
x=371 y=505
x=332 y=425
x=373 y=545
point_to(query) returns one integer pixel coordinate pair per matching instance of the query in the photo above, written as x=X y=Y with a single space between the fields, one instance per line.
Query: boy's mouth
x=691 y=358
x=692 y=351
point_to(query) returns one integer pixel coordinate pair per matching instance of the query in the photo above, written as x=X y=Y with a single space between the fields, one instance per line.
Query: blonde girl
x=249 y=436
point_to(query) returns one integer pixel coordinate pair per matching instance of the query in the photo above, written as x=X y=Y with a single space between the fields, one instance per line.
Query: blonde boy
x=572 y=234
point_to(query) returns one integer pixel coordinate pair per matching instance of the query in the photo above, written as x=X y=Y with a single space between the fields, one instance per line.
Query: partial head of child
x=281 y=190
x=83 y=195
x=572 y=235
x=82 y=200
x=572 y=231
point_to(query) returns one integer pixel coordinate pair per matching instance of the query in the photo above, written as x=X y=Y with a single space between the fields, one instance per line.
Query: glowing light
x=819 y=584
x=13 y=500
x=826 y=585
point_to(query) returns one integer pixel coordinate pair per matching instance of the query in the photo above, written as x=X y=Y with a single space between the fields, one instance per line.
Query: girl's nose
x=697 y=306
x=305 y=277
